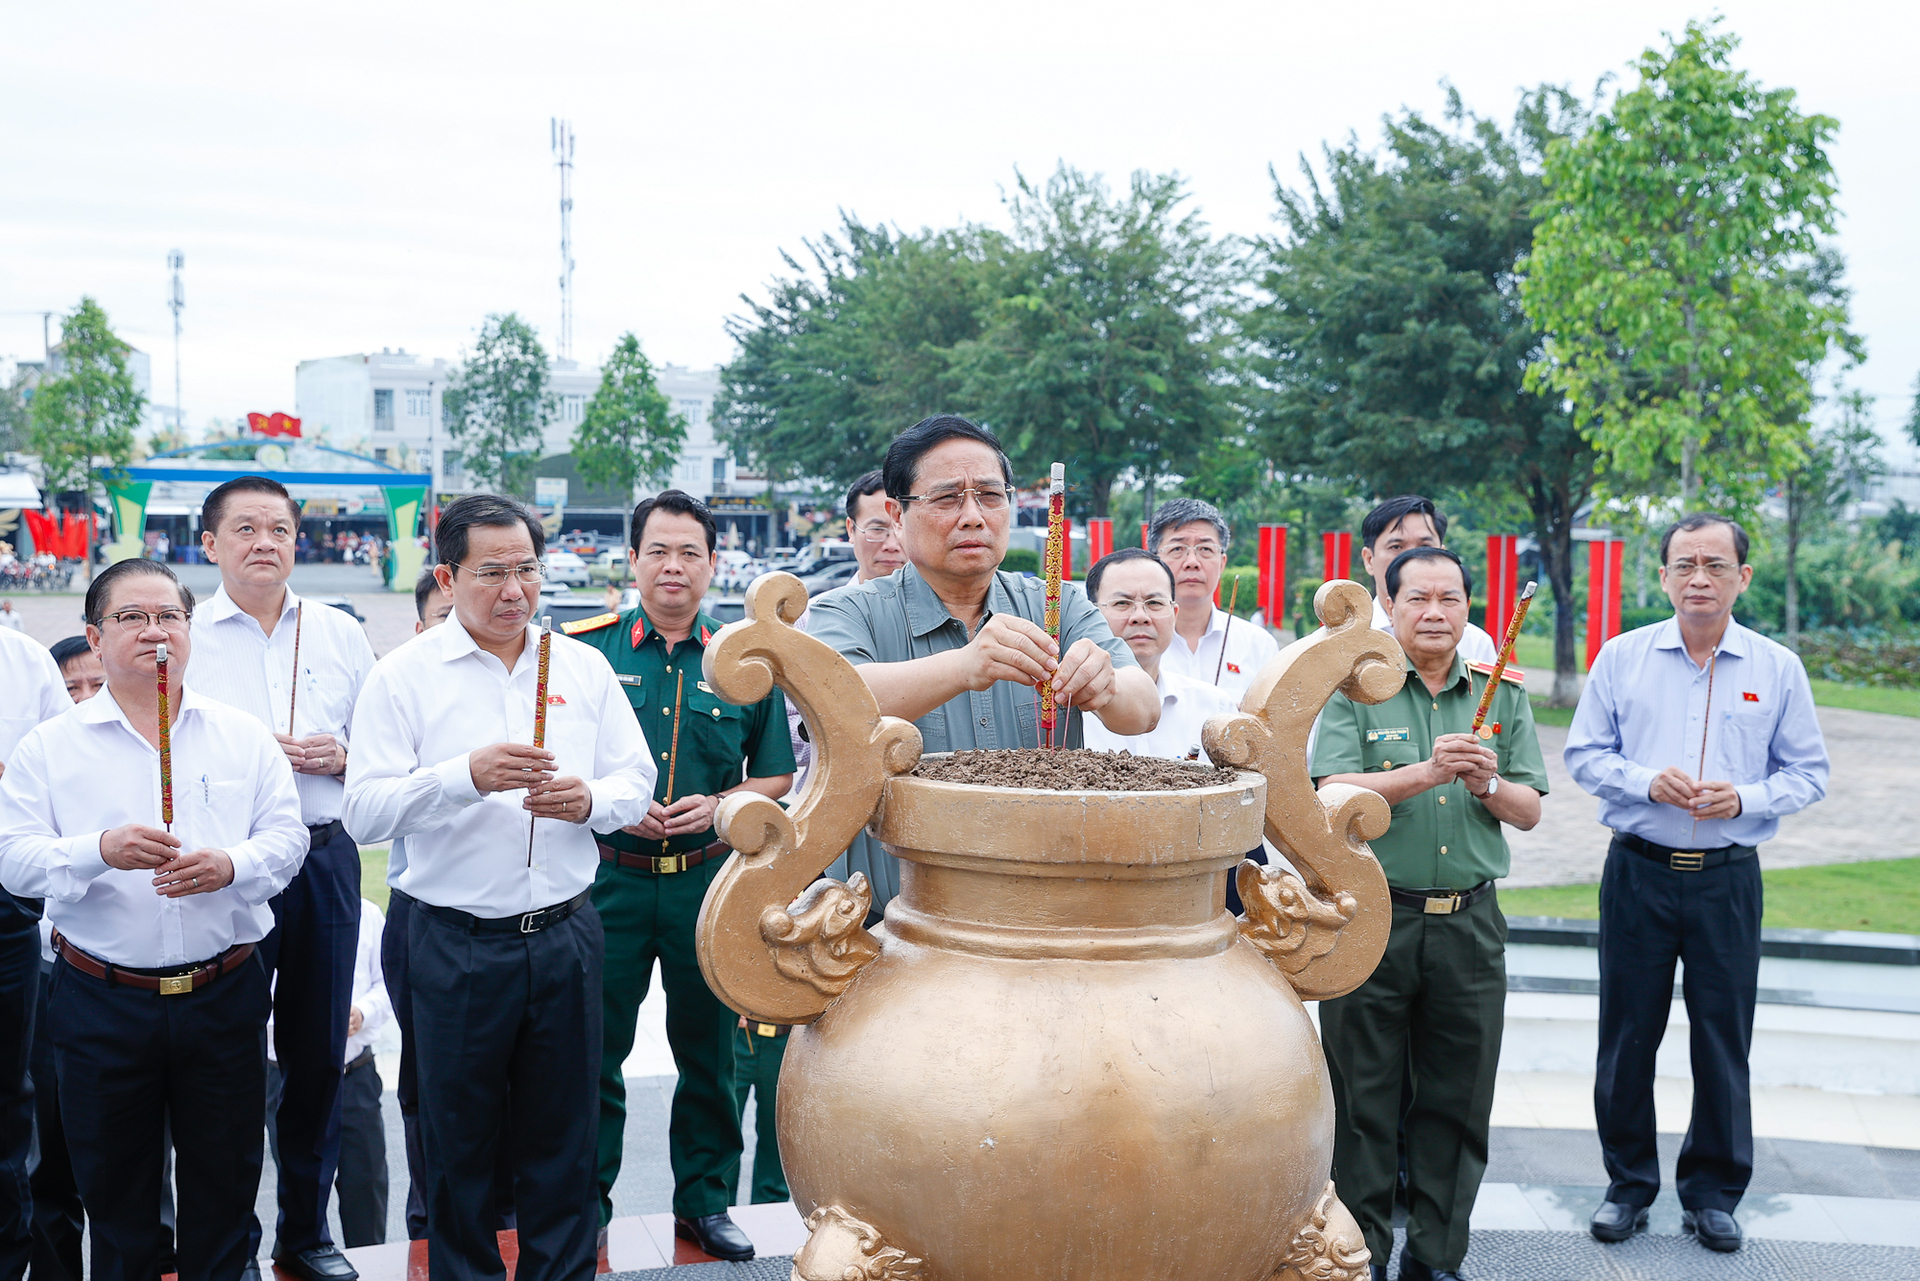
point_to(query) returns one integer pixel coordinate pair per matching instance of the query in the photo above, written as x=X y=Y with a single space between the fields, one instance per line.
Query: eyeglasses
x=138 y=620
x=878 y=531
x=496 y=575
x=1714 y=568
x=1152 y=606
x=1180 y=551
x=989 y=500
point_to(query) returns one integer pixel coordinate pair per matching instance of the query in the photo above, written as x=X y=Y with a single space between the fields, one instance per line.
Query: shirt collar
x=102 y=708
x=220 y=607
x=1735 y=641
x=641 y=629
x=1454 y=677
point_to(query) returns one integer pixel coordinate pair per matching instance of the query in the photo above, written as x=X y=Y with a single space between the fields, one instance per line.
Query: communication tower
x=561 y=133
x=176 y=301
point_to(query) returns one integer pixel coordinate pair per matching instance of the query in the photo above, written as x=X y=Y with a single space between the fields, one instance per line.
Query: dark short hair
x=1701 y=520
x=1176 y=512
x=459 y=518
x=1413 y=554
x=901 y=471
x=680 y=502
x=423 y=589
x=1395 y=510
x=871 y=483
x=101 y=590
x=214 y=509
x=1099 y=570
x=65 y=651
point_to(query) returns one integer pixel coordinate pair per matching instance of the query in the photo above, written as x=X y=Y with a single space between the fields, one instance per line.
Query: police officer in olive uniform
x=653 y=876
x=1434 y=1006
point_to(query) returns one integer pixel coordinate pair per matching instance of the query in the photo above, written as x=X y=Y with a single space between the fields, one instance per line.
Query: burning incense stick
x=1056 y=549
x=293 y=702
x=166 y=737
x=1506 y=656
x=1233 y=598
x=540 y=709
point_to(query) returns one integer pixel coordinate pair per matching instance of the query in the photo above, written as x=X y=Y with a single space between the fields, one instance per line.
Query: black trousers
x=361 y=1181
x=507 y=1054
x=59 y=1220
x=406 y=1092
x=310 y=955
x=1651 y=915
x=126 y=1058
x=19 y=999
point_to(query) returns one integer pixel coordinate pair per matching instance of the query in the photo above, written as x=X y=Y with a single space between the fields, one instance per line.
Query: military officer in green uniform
x=1434 y=1007
x=653 y=876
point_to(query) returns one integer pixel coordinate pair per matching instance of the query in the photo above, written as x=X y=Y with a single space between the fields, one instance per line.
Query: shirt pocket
x=1385 y=750
x=221 y=813
x=1746 y=745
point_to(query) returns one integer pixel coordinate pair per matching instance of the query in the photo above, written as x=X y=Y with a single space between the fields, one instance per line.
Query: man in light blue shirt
x=1697 y=735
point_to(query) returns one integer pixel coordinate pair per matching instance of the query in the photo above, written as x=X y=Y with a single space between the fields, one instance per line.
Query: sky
x=359 y=176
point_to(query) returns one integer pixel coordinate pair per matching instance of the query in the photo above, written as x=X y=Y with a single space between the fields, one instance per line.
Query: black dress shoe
x=1411 y=1269
x=317 y=1263
x=1714 y=1229
x=1616 y=1221
x=717 y=1234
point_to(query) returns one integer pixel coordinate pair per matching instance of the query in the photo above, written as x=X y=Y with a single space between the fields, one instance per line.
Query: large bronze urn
x=1059 y=1058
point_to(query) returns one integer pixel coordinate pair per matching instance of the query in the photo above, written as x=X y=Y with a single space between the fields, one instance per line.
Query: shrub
x=1021 y=560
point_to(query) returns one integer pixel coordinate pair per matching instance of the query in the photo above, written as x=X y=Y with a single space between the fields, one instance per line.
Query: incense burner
x=1059 y=1057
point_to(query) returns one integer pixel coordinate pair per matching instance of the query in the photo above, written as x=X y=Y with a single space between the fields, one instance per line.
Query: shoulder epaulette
x=593 y=624
x=1512 y=673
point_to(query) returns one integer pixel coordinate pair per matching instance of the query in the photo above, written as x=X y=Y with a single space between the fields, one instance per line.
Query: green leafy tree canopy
x=630 y=432
x=497 y=403
x=85 y=411
x=1669 y=273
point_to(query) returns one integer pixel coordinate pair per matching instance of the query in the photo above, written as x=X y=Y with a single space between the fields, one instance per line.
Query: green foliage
x=86 y=412
x=1101 y=345
x=630 y=432
x=1842 y=581
x=1900 y=525
x=1021 y=560
x=1841 y=460
x=1887 y=657
x=15 y=424
x=1674 y=273
x=497 y=403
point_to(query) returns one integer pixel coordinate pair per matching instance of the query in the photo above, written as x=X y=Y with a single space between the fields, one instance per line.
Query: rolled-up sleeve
x=1593 y=753
x=1797 y=766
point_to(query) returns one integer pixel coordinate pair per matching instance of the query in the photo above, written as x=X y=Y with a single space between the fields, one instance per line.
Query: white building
x=386 y=403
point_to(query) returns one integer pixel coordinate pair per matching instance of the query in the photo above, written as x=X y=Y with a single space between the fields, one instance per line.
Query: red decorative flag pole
x=1500 y=667
x=166 y=738
x=540 y=708
x=1056 y=550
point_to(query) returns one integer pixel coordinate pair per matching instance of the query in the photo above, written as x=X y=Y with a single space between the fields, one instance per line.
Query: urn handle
x=770 y=951
x=1326 y=929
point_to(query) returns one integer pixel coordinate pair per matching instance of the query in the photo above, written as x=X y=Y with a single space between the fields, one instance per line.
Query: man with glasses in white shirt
x=504 y=947
x=159 y=1003
x=1134 y=589
x=1193 y=538
x=249 y=637
x=1391 y=528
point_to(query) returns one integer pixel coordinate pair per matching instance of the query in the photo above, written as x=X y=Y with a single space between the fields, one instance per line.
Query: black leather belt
x=318 y=836
x=1684 y=860
x=663 y=864
x=525 y=923
x=1439 y=902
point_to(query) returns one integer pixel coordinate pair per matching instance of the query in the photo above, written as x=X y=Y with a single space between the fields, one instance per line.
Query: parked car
x=728 y=607
x=569 y=607
x=341 y=603
x=835 y=575
x=565 y=567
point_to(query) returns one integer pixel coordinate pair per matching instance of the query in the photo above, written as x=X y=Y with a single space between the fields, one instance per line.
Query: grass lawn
x=1537 y=652
x=1882 y=895
x=373 y=874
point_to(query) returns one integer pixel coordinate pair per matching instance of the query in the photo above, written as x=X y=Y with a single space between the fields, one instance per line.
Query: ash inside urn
x=1079 y=770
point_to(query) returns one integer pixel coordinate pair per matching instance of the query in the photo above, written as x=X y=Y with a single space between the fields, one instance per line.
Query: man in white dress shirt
x=504 y=948
x=247 y=637
x=1393 y=527
x=1193 y=538
x=31 y=690
x=1135 y=591
x=159 y=1006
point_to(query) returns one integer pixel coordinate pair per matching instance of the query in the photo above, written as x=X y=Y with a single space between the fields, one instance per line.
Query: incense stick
x=673 y=751
x=1056 y=550
x=1706 y=722
x=1233 y=598
x=1500 y=667
x=540 y=710
x=293 y=702
x=166 y=738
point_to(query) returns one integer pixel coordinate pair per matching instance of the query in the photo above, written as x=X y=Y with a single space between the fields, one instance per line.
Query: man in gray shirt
x=954 y=645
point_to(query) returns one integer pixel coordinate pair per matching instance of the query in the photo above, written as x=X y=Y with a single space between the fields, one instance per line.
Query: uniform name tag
x=1403 y=735
x=626 y=679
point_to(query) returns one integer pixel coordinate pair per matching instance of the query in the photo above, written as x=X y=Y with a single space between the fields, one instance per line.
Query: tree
x=1842 y=460
x=843 y=355
x=497 y=404
x=630 y=432
x=86 y=408
x=1102 y=344
x=1666 y=273
x=1389 y=349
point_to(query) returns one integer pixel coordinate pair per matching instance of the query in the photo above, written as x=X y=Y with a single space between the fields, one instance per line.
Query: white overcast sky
x=356 y=176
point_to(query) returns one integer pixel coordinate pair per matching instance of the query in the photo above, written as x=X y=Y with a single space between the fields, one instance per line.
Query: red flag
x=274 y=424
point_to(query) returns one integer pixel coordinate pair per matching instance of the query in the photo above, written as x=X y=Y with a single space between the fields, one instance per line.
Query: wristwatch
x=1493 y=785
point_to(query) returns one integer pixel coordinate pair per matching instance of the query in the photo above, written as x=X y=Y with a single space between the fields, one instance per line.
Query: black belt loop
x=320 y=834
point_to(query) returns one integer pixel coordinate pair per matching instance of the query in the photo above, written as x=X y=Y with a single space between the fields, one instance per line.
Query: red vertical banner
x=1273 y=572
x=1503 y=582
x=1605 y=559
x=1143 y=535
x=1099 y=539
x=1066 y=552
x=1339 y=552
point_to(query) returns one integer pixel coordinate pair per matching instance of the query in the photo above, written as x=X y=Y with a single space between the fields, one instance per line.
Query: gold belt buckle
x=664 y=863
x=766 y=1029
x=1442 y=906
x=1687 y=860
x=176 y=985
